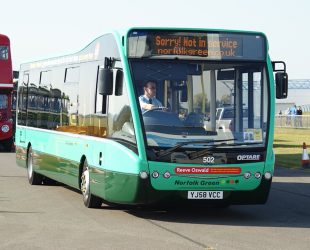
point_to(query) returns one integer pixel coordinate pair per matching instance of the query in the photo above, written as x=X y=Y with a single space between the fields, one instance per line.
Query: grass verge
x=288 y=146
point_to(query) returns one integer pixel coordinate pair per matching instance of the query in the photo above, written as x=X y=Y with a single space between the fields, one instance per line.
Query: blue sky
x=41 y=29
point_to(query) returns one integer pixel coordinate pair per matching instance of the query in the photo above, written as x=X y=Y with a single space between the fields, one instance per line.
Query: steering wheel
x=193 y=119
x=158 y=108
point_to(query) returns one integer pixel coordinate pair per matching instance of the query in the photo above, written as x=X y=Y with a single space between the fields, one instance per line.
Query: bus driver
x=148 y=101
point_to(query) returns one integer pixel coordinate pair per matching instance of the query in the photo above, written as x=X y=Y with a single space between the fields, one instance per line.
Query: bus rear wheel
x=33 y=177
x=7 y=145
x=89 y=200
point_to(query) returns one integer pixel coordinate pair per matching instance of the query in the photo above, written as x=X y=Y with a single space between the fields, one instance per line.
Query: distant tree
x=226 y=99
x=201 y=104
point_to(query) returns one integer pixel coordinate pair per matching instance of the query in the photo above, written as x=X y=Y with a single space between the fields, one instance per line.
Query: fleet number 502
x=208 y=159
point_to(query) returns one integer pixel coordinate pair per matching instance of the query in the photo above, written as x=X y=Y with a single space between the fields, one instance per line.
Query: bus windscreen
x=4 y=52
x=201 y=45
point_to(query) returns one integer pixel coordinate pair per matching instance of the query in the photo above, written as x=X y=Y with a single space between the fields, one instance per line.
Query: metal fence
x=305 y=108
x=292 y=121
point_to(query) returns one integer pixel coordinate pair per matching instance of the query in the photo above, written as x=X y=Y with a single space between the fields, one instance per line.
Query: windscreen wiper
x=202 y=152
x=181 y=144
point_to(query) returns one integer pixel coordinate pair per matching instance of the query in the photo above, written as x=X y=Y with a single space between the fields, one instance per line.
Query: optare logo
x=248 y=157
x=5 y=128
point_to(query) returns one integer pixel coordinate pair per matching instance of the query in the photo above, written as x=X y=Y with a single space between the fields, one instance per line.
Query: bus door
x=22 y=107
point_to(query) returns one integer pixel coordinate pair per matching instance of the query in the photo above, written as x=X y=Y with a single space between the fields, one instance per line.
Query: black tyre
x=89 y=200
x=7 y=145
x=33 y=177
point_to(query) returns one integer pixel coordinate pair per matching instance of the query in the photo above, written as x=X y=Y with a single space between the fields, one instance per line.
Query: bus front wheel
x=89 y=200
x=33 y=177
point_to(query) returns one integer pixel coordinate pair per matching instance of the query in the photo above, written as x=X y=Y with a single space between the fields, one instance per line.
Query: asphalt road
x=54 y=217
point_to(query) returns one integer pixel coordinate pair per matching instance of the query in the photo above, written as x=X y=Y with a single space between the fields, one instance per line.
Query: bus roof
x=53 y=61
x=4 y=40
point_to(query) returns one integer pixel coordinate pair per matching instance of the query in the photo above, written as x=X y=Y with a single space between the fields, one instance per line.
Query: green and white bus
x=79 y=119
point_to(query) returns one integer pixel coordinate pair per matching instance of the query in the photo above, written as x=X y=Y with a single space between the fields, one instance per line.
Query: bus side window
x=121 y=125
x=22 y=100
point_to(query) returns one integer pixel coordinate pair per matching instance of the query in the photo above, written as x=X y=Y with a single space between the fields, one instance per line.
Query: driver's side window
x=120 y=123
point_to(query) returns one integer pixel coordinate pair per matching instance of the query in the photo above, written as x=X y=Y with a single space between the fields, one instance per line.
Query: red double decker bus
x=6 y=88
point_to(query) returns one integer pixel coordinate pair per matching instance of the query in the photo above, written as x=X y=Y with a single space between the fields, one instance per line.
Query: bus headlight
x=5 y=128
x=268 y=176
x=167 y=175
x=247 y=175
x=155 y=174
x=257 y=175
x=143 y=175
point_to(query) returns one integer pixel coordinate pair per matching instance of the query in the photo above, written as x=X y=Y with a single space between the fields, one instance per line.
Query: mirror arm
x=110 y=61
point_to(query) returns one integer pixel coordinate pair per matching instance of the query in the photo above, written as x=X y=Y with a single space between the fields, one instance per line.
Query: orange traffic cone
x=305 y=157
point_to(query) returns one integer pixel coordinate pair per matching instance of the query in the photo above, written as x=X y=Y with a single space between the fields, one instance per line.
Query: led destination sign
x=180 y=45
x=215 y=46
x=197 y=46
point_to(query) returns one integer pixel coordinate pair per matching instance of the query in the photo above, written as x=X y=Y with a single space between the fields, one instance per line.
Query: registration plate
x=205 y=195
